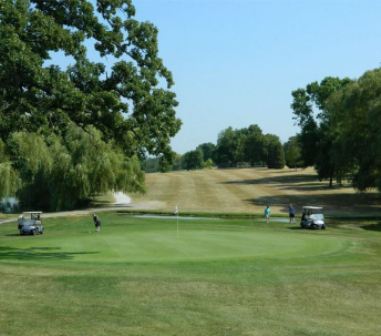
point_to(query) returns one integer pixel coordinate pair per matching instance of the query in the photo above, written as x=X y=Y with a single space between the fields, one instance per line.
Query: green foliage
x=292 y=153
x=208 y=164
x=192 y=160
x=9 y=180
x=275 y=153
x=60 y=173
x=355 y=114
x=248 y=145
x=254 y=146
x=208 y=150
x=122 y=108
x=317 y=142
x=226 y=149
x=344 y=134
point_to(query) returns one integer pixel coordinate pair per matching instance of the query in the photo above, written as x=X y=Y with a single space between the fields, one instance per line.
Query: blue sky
x=236 y=62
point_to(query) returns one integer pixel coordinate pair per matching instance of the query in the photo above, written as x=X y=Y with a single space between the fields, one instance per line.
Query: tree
x=226 y=149
x=317 y=142
x=127 y=100
x=274 y=150
x=292 y=153
x=254 y=150
x=192 y=160
x=208 y=150
x=355 y=114
x=53 y=170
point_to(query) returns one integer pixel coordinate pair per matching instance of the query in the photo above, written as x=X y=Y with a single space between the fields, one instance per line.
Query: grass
x=216 y=277
x=247 y=191
x=6 y=215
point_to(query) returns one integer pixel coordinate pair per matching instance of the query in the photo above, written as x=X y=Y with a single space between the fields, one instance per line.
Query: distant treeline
x=339 y=120
x=243 y=147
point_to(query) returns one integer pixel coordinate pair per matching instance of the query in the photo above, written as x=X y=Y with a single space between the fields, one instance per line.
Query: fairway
x=142 y=276
x=248 y=190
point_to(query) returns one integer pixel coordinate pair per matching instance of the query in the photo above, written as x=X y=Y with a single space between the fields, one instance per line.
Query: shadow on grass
x=303 y=182
x=372 y=227
x=276 y=179
x=37 y=253
x=298 y=228
x=359 y=203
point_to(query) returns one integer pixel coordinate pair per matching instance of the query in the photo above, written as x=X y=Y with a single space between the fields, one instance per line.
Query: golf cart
x=312 y=218
x=29 y=223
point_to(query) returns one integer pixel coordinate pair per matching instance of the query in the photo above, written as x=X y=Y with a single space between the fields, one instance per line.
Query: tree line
x=234 y=148
x=339 y=121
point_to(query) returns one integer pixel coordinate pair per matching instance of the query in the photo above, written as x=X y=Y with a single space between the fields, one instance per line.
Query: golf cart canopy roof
x=312 y=208
x=32 y=212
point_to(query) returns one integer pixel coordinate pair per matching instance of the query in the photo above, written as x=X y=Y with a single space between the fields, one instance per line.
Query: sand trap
x=121 y=198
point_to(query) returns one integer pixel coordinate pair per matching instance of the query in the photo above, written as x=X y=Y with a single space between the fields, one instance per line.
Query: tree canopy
x=340 y=121
x=248 y=145
x=292 y=153
x=310 y=110
x=121 y=105
x=355 y=114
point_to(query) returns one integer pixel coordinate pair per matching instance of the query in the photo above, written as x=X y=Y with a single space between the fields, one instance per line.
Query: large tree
x=125 y=95
x=318 y=147
x=355 y=113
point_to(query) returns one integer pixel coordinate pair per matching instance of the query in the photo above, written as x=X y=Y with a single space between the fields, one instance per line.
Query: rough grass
x=249 y=190
x=215 y=277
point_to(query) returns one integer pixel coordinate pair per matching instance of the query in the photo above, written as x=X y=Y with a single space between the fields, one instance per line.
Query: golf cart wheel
x=323 y=227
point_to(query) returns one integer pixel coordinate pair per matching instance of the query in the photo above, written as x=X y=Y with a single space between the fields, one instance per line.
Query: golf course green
x=206 y=276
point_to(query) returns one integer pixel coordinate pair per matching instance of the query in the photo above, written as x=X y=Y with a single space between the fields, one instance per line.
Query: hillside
x=249 y=190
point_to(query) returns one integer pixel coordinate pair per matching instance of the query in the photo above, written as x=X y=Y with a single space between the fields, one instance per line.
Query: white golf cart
x=29 y=223
x=312 y=218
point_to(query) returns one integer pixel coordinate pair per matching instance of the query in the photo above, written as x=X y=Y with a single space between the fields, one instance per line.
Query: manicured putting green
x=159 y=240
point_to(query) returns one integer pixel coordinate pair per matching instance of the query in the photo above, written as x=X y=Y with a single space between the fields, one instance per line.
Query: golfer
x=97 y=223
x=291 y=213
x=267 y=213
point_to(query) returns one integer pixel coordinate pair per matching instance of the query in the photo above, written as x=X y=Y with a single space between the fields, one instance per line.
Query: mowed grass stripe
x=239 y=193
x=216 y=194
x=248 y=190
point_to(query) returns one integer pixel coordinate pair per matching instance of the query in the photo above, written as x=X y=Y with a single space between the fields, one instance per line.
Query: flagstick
x=177 y=225
x=177 y=220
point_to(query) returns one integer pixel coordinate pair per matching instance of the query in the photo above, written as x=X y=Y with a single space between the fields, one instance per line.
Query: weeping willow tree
x=9 y=178
x=64 y=172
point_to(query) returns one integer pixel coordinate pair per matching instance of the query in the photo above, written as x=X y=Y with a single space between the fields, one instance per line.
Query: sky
x=235 y=62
